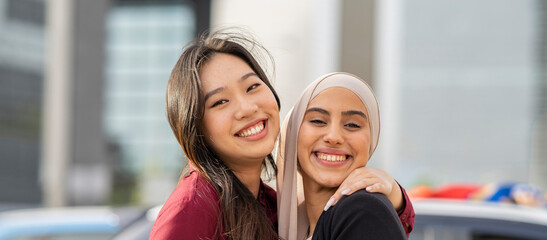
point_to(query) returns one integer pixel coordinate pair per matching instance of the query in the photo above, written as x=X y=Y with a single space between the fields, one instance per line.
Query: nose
x=245 y=108
x=334 y=135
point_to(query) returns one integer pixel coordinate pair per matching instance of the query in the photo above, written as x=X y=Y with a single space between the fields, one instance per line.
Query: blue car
x=65 y=223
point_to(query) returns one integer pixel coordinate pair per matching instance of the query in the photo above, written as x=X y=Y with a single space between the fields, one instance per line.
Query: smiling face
x=241 y=117
x=334 y=138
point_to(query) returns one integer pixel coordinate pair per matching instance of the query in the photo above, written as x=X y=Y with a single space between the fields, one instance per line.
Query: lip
x=257 y=136
x=250 y=124
x=331 y=151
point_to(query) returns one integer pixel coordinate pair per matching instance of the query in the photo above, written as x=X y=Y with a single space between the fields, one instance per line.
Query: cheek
x=207 y=121
x=214 y=123
x=272 y=108
x=210 y=132
x=305 y=141
x=269 y=106
x=362 y=142
x=267 y=100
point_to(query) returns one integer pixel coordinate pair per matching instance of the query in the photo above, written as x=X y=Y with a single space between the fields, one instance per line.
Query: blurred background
x=461 y=84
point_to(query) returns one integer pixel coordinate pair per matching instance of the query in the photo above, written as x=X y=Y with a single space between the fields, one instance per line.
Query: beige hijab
x=293 y=222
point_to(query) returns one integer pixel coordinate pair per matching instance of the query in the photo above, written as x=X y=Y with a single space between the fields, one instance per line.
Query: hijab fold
x=293 y=222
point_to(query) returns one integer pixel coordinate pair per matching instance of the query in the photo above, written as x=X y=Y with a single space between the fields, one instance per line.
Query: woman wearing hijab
x=332 y=130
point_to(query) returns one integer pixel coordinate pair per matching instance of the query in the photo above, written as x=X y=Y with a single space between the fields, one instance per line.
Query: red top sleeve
x=191 y=212
x=407 y=214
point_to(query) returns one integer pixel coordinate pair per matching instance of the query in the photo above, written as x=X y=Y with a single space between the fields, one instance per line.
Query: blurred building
x=120 y=54
x=461 y=86
x=144 y=41
x=81 y=90
x=74 y=168
x=21 y=91
x=458 y=81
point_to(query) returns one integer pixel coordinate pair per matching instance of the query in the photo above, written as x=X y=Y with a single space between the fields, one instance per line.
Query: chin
x=269 y=148
x=331 y=182
x=259 y=155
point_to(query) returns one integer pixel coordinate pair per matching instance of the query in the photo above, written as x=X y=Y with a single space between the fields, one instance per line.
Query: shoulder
x=360 y=214
x=192 y=191
x=363 y=205
x=364 y=201
x=193 y=207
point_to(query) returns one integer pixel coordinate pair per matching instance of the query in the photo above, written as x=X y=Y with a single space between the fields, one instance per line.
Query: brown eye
x=317 y=122
x=219 y=102
x=353 y=125
x=253 y=87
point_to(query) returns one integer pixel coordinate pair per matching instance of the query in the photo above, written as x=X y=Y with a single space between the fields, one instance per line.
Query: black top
x=361 y=215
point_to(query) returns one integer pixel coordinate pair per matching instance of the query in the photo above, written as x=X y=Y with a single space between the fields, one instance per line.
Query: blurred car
x=477 y=220
x=444 y=219
x=65 y=223
x=139 y=229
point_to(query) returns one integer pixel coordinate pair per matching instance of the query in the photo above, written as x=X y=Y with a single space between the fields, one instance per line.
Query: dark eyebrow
x=244 y=77
x=209 y=94
x=354 y=112
x=319 y=110
x=215 y=91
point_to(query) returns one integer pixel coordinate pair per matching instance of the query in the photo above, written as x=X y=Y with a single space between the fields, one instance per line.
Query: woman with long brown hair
x=225 y=114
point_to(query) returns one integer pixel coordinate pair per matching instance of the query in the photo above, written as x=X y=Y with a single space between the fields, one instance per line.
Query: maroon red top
x=407 y=214
x=193 y=211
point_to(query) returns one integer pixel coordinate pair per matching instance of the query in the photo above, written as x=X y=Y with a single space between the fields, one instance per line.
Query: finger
x=357 y=176
x=372 y=188
x=329 y=204
x=352 y=184
x=333 y=199
x=356 y=186
x=340 y=192
x=362 y=184
x=379 y=188
x=348 y=190
x=361 y=173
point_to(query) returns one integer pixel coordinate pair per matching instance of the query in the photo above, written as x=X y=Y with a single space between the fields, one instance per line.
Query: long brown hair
x=243 y=217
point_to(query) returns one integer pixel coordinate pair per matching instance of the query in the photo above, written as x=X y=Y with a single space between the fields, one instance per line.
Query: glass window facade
x=144 y=42
x=21 y=86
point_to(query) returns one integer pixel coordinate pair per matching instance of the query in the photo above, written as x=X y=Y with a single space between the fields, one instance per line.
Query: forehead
x=221 y=69
x=338 y=99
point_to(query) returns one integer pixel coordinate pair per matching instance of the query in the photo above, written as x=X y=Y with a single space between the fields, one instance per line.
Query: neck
x=249 y=176
x=316 y=198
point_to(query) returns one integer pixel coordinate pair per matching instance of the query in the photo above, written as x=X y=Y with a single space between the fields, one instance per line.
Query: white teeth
x=331 y=158
x=253 y=130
